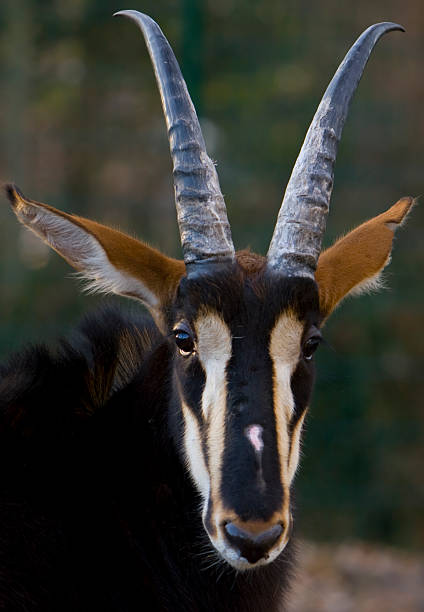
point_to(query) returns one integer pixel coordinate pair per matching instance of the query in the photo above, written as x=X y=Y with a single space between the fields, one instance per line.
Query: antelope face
x=244 y=373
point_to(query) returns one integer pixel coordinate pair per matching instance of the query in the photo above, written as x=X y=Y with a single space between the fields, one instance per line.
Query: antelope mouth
x=235 y=558
x=245 y=549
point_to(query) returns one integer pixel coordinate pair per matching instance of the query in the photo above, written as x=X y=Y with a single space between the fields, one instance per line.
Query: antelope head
x=243 y=328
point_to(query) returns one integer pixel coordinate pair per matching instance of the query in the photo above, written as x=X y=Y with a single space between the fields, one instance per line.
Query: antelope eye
x=311 y=346
x=184 y=342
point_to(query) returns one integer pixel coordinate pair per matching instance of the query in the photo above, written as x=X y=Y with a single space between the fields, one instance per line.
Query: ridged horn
x=296 y=243
x=202 y=216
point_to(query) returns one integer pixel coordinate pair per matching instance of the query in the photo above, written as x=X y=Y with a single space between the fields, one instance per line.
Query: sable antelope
x=149 y=465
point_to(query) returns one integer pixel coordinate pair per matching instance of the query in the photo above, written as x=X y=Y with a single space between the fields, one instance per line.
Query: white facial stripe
x=284 y=348
x=214 y=352
x=295 y=447
x=194 y=454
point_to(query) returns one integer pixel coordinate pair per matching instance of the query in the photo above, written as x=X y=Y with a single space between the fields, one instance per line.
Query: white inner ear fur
x=371 y=284
x=83 y=252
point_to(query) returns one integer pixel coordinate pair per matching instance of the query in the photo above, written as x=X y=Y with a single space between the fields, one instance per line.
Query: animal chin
x=234 y=557
x=241 y=564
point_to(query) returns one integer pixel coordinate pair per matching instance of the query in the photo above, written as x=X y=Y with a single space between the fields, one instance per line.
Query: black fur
x=96 y=509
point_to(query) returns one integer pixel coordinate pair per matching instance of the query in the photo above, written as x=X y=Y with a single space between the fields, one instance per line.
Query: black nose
x=252 y=546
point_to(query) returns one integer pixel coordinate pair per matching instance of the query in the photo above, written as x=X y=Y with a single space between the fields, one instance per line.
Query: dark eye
x=184 y=342
x=311 y=346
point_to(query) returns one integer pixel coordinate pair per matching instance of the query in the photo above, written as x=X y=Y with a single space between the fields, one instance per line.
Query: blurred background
x=81 y=128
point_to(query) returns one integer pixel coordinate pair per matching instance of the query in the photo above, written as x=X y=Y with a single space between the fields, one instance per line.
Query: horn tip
x=390 y=26
x=126 y=13
x=133 y=15
x=398 y=26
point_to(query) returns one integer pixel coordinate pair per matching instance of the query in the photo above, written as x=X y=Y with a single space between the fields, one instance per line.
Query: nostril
x=252 y=546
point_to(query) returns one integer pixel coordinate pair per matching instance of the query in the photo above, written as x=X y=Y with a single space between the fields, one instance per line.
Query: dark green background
x=81 y=128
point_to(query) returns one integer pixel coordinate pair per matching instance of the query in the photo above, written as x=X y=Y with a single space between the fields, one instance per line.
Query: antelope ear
x=111 y=261
x=353 y=265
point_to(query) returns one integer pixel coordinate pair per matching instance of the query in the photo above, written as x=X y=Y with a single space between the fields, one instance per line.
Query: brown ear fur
x=354 y=263
x=158 y=273
x=161 y=274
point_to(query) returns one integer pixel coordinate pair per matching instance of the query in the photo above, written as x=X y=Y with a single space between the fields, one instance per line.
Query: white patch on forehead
x=284 y=349
x=254 y=435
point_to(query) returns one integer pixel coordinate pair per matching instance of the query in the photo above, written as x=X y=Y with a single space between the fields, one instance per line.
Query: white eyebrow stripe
x=214 y=352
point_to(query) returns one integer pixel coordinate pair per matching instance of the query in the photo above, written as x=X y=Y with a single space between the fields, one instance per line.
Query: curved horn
x=296 y=243
x=202 y=217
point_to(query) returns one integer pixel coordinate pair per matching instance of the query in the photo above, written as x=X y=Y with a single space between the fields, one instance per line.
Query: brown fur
x=352 y=263
x=358 y=257
x=160 y=274
x=251 y=263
